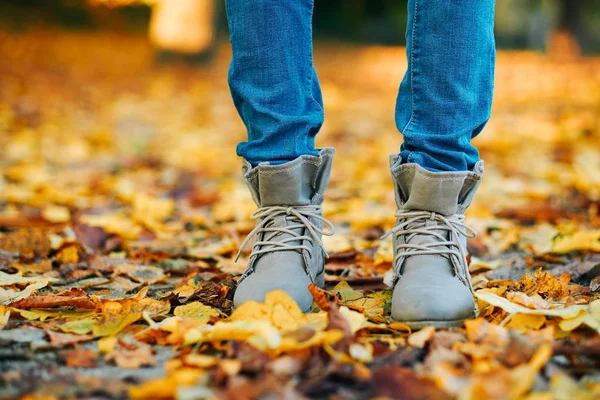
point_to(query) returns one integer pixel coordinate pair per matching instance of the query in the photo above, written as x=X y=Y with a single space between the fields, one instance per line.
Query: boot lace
x=412 y=223
x=296 y=217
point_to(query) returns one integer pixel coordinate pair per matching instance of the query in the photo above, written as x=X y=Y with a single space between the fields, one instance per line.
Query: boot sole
x=435 y=323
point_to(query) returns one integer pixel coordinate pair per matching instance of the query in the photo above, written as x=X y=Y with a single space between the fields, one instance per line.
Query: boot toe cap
x=292 y=280
x=445 y=303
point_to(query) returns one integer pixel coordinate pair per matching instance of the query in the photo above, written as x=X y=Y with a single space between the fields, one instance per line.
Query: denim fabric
x=272 y=78
x=443 y=102
x=445 y=97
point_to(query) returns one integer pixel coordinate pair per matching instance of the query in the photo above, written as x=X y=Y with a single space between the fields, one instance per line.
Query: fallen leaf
x=8 y=296
x=132 y=359
x=196 y=310
x=420 y=338
x=166 y=387
x=70 y=298
x=80 y=358
x=56 y=214
x=58 y=339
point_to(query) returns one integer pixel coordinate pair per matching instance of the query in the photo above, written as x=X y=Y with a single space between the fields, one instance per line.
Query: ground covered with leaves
x=122 y=207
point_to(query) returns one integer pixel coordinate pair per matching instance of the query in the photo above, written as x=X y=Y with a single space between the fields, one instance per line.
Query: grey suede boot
x=287 y=253
x=431 y=280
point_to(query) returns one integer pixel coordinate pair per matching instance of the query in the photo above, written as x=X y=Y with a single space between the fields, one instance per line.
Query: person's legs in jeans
x=276 y=92
x=272 y=78
x=444 y=101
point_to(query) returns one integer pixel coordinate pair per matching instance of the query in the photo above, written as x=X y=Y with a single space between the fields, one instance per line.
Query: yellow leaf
x=4 y=316
x=80 y=326
x=68 y=255
x=279 y=309
x=524 y=322
x=151 y=211
x=166 y=387
x=523 y=376
x=199 y=360
x=35 y=314
x=345 y=292
x=577 y=240
x=107 y=344
x=355 y=319
x=57 y=214
x=110 y=324
x=196 y=310
x=118 y=224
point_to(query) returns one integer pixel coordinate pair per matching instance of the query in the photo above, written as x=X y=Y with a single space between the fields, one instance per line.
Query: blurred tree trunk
x=563 y=43
x=184 y=26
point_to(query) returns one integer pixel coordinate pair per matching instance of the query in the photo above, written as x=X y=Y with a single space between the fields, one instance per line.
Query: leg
x=444 y=101
x=273 y=80
x=276 y=91
x=446 y=95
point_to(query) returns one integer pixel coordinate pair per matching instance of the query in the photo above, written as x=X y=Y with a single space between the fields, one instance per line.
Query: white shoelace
x=299 y=217
x=414 y=223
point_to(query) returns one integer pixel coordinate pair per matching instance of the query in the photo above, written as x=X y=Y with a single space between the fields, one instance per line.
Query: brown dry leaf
x=147 y=274
x=92 y=238
x=8 y=296
x=58 y=339
x=320 y=296
x=544 y=284
x=132 y=359
x=420 y=338
x=136 y=304
x=26 y=242
x=80 y=358
x=69 y=298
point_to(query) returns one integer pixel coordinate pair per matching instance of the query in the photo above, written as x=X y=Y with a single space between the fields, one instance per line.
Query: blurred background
x=520 y=24
x=101 y=99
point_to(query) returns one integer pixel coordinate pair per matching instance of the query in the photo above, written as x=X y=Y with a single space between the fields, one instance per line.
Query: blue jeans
x=443 y=102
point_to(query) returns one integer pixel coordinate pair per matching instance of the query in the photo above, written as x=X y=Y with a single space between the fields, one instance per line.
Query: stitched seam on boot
x=314 y=181
x=271 y=172
x=401 y=169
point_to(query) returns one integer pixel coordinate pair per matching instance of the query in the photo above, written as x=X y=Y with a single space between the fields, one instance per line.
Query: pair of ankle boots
x=430 y=280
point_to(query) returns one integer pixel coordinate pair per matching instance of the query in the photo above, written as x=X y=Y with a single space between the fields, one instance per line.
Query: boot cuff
x=446 y=193
x=299 y=182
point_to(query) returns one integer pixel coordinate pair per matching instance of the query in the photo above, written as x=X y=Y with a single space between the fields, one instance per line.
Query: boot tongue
x=280 y=221
x=422 y=239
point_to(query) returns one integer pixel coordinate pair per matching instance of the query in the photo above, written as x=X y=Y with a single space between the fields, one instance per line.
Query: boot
x=287 y=253
x=431 y=280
